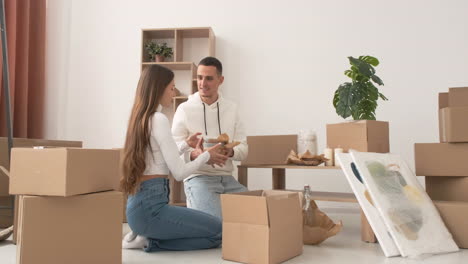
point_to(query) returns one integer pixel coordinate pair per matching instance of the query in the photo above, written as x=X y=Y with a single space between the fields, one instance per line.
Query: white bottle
x=307 y=197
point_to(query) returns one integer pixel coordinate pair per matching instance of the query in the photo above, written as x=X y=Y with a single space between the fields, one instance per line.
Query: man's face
x=208 y=81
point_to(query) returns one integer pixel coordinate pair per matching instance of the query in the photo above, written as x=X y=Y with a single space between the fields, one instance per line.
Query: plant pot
x=159 y=58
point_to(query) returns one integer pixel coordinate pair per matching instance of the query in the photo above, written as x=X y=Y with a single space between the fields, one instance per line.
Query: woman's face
x=168 y=94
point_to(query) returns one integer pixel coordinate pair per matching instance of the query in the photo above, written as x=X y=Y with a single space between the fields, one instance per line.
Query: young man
x=209 y=113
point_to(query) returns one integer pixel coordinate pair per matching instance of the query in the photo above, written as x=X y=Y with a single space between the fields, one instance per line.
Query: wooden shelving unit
x=189 y=45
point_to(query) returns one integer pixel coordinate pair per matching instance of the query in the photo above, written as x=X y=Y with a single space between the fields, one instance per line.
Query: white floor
x=346 y=247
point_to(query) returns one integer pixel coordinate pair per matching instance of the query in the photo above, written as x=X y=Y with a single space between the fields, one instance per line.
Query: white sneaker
x=132 y=240
x=130 y=236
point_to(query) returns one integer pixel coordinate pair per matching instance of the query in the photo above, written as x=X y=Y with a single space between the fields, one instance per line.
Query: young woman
x=150 y=153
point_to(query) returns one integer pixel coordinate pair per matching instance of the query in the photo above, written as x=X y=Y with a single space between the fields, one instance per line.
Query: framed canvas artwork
x=407 y=211
x=362 y=195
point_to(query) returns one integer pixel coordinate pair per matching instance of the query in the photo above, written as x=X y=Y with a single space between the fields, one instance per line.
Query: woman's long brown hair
x=153 y=81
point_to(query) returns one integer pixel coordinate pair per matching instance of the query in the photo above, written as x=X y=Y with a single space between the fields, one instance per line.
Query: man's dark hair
x=212 y=61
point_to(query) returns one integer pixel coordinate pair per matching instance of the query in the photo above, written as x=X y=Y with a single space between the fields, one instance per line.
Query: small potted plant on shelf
x=358 y=99
x=158 y=52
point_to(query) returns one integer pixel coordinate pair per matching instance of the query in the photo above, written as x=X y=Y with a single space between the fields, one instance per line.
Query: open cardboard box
x=261 y=227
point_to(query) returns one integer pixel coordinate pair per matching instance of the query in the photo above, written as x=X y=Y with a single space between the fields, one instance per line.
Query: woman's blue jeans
x=170 y=227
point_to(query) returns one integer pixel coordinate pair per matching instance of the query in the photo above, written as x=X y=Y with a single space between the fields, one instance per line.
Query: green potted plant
x=358 y=98
x=158 y=52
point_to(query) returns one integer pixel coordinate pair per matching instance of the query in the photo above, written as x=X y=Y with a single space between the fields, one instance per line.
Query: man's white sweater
x=190 y=118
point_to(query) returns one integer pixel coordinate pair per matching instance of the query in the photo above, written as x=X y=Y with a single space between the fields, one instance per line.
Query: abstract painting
x=362 y=195
x=407 y=211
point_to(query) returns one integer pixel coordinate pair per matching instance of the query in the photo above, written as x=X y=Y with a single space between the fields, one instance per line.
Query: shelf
x=168 y=33
x=195 y=32
x=180 y=97
x=190 y=32
x=175 y=66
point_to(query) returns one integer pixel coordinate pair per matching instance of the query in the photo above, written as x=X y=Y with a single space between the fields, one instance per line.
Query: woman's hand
x=216 y=157
x=193 y=140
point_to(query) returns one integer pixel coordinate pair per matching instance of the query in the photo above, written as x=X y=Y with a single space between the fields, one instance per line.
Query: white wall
x=283 y=61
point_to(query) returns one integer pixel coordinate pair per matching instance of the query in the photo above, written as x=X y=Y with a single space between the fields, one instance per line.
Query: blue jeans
x=203 y=192
x=170 y=227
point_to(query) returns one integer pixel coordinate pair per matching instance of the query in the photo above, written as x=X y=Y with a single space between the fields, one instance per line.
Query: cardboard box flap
x=283 y=204
x=285 y=213
x=246 y=208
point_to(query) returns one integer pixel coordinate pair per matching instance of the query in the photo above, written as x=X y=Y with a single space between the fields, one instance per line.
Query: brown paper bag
x=317 y=225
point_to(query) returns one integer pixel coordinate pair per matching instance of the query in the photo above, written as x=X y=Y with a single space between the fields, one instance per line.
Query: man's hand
x=193 y=140
x=228 y=151
x=198 y=149
x=216 y=156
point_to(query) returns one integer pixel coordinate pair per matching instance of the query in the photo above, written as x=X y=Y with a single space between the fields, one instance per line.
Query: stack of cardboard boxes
x=6 y=201
x=68 y=211
x=445 y=164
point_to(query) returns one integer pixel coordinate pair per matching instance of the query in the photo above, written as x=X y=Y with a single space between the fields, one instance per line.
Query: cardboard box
x=261 y=226
x=4 y=181
x=443 y=100
x=441 y=159
x=447 y=188
x=77 y=229
x=63 y=171
x=362 y=135
x=6 y=214
x=454 y=215
x=120 y=176
x=267 y=150
x=25 y=142
x=458 y=96
x=453 y=124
